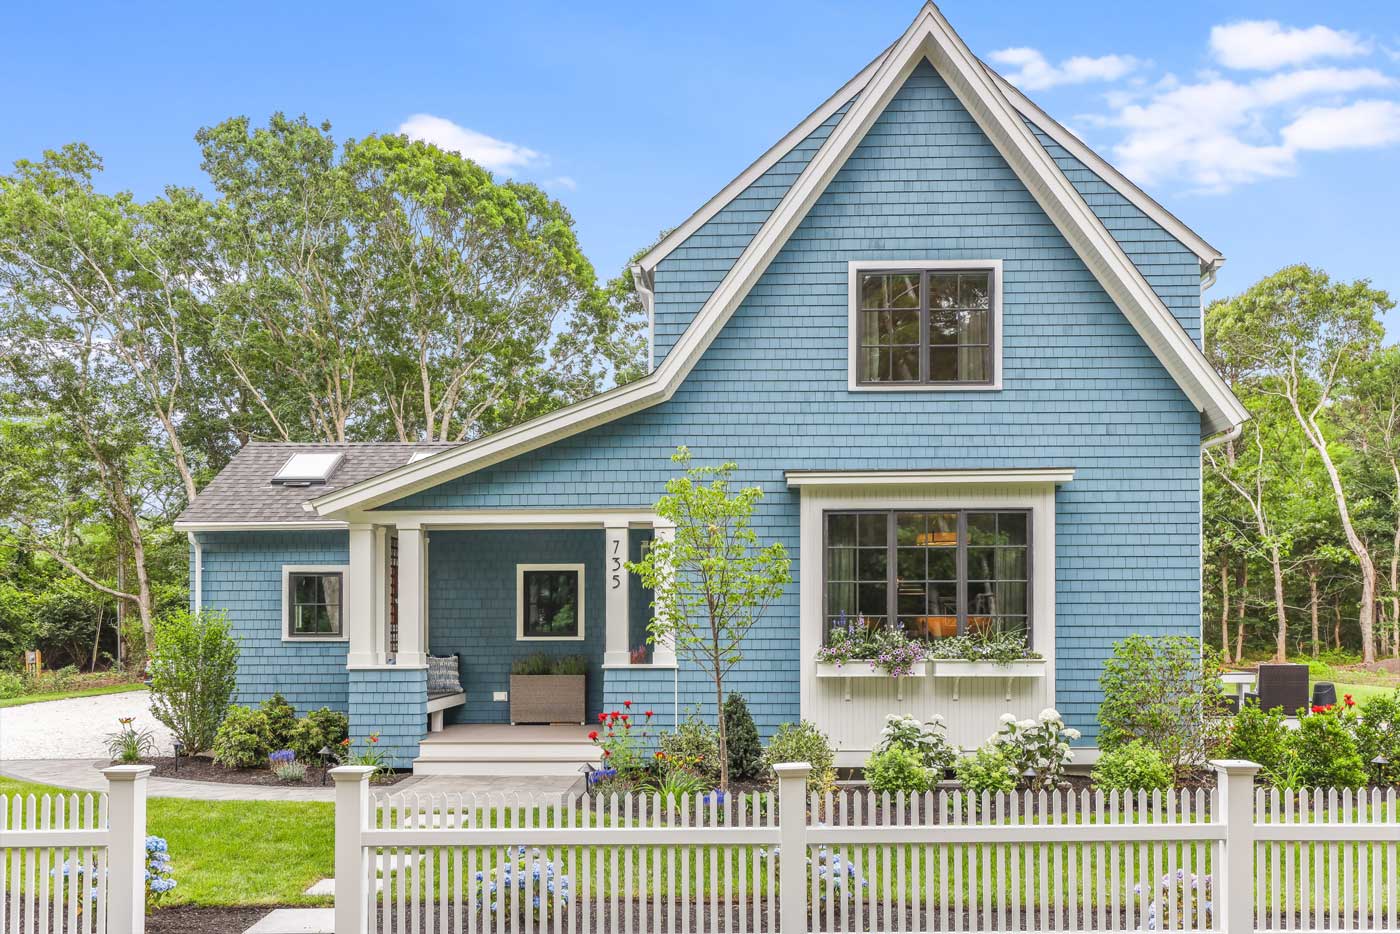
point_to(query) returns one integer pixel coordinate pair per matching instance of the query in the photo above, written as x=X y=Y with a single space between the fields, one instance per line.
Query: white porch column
x=663 y=651
x=413 y=603
x=617 y=651
x=360 y=596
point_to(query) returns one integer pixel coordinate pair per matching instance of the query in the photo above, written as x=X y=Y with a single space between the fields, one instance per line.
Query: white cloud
x=1265 y=45
x=562 y=181
x=1216 y=133
x=486 y=151
x=1362 y=125
x=1032 y=72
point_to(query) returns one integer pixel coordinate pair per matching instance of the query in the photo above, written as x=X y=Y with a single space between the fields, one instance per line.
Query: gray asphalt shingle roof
x=244 y=492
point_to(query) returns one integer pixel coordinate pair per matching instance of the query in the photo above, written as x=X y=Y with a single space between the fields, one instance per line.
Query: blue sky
x=1273 y=129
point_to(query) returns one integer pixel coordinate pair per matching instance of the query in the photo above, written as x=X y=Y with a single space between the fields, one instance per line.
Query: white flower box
x=957 y=669
x=865 y=668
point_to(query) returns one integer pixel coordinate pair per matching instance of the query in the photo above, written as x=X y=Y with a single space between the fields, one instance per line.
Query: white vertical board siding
x=854 y=725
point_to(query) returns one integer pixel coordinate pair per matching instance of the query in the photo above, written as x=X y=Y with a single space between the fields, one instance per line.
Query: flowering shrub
x=159 y=881
x=924 y=739
x=621 y=737
x=885 y=648
x=1040 y=747
x=372 y=756
x=1191 y=894
x=695 y=743
x=523 y=884
x=285 y=766
x=836 y=878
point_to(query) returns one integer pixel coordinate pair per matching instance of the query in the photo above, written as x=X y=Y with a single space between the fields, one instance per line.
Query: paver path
x=76 y=728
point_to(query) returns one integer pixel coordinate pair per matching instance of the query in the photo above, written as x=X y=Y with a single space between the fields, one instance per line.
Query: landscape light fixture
x=325 y=753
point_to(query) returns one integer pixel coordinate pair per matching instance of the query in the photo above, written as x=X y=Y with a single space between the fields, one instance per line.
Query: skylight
x=417 y=456
x=308 y=467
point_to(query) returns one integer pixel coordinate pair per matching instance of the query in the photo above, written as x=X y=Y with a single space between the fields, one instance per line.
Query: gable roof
x=243 y=493
x=928 y=37
x=1209 y=256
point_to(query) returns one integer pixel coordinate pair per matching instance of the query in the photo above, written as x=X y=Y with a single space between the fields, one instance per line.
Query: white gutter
x=197 y=577
x=1223 y=437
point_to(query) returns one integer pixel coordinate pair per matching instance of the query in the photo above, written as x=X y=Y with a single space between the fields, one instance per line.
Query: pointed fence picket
x=1229 y=858
x=75 y=864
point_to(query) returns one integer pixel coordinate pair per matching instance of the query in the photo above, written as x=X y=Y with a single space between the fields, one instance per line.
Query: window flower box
x=867 y=668
x=958 y=669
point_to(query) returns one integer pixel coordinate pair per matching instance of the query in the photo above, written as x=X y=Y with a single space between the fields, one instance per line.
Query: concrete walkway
x=83 y=775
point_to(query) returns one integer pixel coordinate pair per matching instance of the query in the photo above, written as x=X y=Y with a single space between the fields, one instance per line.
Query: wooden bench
x=437 y=703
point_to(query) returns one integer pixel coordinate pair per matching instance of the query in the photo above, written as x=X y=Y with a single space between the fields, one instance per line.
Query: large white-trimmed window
x=926 y=325
x=313 y=602
x=936 y=573
x=549 y=602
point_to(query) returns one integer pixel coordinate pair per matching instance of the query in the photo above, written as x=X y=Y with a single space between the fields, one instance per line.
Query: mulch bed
x=204 y=769
x=186 y=919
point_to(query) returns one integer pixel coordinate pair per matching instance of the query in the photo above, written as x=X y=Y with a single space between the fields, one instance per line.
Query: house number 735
x=616 y=568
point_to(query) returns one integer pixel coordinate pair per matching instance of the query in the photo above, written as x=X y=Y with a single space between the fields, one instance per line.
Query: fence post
x=1233 y=887
x=792 y=843
x=126 y=853
x=351 y=861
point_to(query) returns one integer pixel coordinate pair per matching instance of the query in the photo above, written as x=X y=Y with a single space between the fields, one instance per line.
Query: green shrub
x=11 y=684
x=318 y=729
x=1259 y=736
x=1165 y=691
x=1325 y=752
x=1134 y=767
x=241 y=740
x=694 y=746
x=281 y=717
x=803 y=742
x=925 y=739
x=1378 y=734
x=897 y=769
x=988 y=769
x=741 y=736
x=193 y=671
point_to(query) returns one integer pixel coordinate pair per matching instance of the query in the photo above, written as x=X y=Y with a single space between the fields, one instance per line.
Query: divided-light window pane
x=925 y=327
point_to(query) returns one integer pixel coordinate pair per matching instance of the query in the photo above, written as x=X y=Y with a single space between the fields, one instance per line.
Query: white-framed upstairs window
x=313 y=602
x=925 y=325
x=549 y=603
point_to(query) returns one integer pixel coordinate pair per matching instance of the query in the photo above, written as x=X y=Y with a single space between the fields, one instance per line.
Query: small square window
x=315 y=604
x=550 y=602
x=922 y=329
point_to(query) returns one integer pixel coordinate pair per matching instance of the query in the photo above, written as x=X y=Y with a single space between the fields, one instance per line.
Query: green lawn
x=237 y=852
x=64 y=695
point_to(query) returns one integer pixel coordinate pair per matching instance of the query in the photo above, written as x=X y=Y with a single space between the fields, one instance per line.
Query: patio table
x=1242 y=681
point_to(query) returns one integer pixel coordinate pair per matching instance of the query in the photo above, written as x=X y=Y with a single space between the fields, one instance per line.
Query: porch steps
x=502 y=749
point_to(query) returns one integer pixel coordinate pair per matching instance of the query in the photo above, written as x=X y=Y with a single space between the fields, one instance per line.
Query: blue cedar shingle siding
x=1081 y=390
x=392 y=704
x=243 y=577
x=472 y=603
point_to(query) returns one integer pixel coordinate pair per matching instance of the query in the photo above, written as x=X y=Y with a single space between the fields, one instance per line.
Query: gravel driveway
x=76 y=728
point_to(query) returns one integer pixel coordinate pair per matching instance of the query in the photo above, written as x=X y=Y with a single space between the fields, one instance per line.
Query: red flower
x=648 y=713
x=627 y=704
x=374 y=738
x=607 y=753
x=1321 y=708
x=624 y=718
x=1347 y=699
x=593 y=735
x=345 y=741
x=602 y=718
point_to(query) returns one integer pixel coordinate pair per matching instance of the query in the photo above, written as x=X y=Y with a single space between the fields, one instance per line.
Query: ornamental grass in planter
x=548 y=689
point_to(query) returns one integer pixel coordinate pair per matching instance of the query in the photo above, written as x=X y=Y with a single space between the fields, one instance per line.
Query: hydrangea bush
x=159 y=880
x=925 y=738
x=1038 y=749
x=1191 y=894
x=836 y=878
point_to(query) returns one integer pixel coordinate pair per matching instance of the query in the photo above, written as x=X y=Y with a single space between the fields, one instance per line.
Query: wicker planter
x=547 y=698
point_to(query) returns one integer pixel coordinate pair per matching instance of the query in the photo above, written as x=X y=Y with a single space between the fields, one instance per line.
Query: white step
x=437 y=766
x=576 y=752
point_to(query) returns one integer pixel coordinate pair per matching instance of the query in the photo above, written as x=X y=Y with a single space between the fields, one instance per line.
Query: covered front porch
x=477 y=593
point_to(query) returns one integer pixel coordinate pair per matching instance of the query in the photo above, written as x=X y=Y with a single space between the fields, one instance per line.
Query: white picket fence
x=1230 y=858
x=75 y=863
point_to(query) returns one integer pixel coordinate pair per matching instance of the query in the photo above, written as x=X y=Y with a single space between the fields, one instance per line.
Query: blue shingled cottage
x=928 y=322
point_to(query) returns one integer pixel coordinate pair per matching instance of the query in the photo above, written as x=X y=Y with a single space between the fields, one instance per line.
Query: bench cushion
x=443 y=677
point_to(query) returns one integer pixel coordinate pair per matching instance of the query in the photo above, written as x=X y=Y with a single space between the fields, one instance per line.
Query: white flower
x=1073 y=734
x=1026 y=724
x=1049 y=714
x=937 y=718
x=1008 y=718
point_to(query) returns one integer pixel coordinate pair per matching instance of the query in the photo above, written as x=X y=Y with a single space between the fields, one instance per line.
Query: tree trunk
x=96 y=640
x=1312 y=606
x=723 y=737
x=1280 y=607
x=1225 y=607
x=1395 y=567
x=1337 y=624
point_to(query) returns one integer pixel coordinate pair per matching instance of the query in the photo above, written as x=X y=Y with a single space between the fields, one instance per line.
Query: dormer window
x=921 y=326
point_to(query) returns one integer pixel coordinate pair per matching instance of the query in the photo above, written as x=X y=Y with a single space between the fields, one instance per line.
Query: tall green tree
x=1301 y=333
x=712 y=581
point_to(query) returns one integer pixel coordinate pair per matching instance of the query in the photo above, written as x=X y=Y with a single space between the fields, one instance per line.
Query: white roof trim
x=928 y=37
x=991 y=476
x=282 y=525
x=1208 y=255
